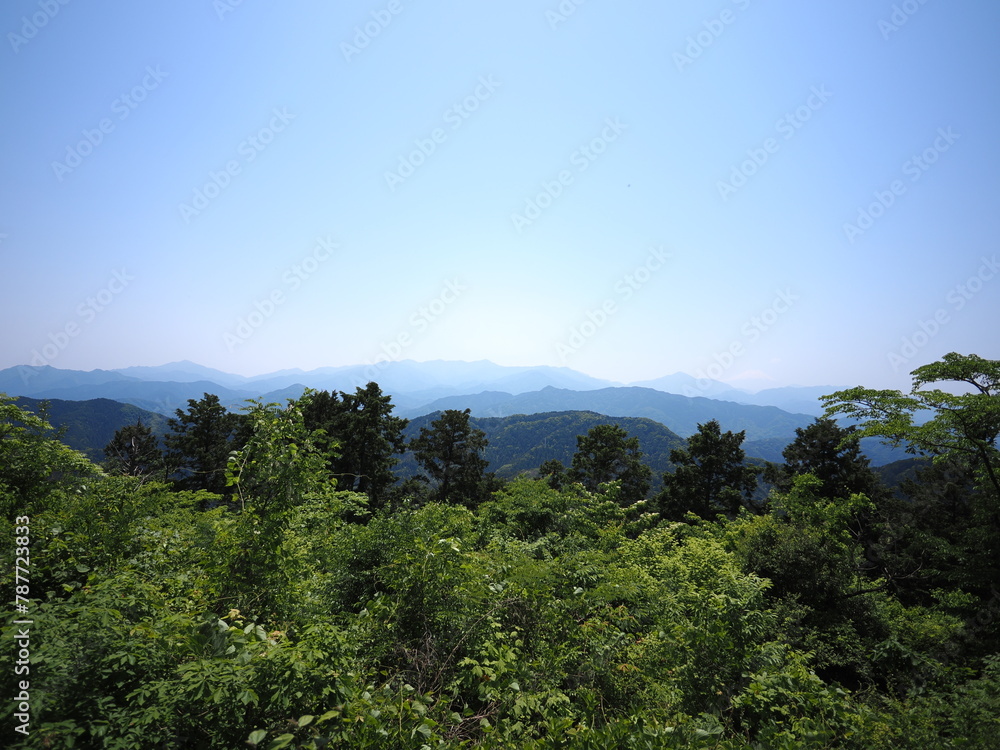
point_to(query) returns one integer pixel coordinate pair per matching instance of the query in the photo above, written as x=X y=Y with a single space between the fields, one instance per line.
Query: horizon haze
x=187 y=371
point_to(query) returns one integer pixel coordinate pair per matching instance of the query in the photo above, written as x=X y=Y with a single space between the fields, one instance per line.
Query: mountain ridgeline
x=413 y=385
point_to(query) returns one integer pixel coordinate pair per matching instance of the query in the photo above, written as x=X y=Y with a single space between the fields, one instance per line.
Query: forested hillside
x=522 y=443
x=88 y=426
x=263 y=580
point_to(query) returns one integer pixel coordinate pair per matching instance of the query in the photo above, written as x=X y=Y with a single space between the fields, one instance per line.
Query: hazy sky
x=780 y=192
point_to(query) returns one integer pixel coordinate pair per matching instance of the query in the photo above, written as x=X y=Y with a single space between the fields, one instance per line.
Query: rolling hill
x=520 y=443
x=90 y=425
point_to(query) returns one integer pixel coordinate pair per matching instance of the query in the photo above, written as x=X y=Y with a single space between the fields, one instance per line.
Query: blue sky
x=769 y=193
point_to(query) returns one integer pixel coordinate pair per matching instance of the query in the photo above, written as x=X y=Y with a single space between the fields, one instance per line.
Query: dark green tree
x=368 y=438
x=929 y=540
x=952 y=524
x=134 y=451
x=833 y=455
x=807 y=547
x=200 y=442
x=451 y=452
x=553 y=471
x=935 y=422
x=711 y=476
x=413 y=491
x=607 y=454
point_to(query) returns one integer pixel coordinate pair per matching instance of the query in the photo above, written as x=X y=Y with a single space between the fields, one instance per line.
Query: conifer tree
x=711 y=476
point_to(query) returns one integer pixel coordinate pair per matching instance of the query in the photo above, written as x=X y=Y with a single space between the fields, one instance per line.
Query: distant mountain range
x=678 y=413
x=679 y=402
x=413 y=385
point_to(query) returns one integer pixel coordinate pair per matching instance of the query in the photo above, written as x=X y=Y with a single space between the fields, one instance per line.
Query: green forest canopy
x=283 y=610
